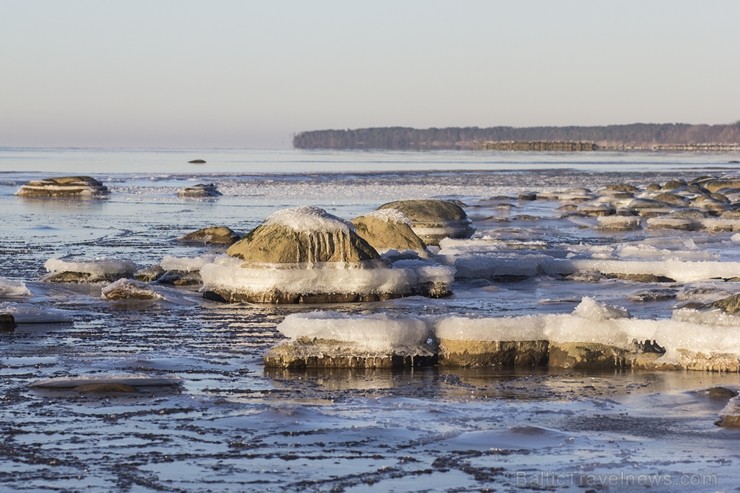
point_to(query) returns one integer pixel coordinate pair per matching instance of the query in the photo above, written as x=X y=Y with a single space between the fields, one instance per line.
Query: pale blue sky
x=240 y=73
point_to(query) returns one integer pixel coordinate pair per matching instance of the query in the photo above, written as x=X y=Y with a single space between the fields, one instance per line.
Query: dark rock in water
x=197 y=161
x=719 y=393
x=149 y=274
x=105 y=388
x=7 y=321
x=729 y=305
x=180 y=278
x=64 y=187
x=527 y=196
x=199 y=191
x=433 y=220
x=654 y=295
x=214 y=235
x=639 y=277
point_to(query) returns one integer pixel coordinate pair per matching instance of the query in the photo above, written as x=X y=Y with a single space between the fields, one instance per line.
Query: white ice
x=370 y=332
x=327 y=277
x=30 y=314
x=186 y=264
x=13 y=289
x=96 y=268
x=129 y=288
x=309 y=219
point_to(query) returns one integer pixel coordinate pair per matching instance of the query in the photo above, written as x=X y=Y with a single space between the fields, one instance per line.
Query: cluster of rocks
x=704 y=203
x=301 y=255
x=306 y=255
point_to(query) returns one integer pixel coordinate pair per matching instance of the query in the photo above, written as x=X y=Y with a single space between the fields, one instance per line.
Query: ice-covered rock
x=306 y=255
x=13 y=289
x=334 y=340
x=149 y=273
x=729 y=416
x=199 y=191
x=64 y=187
x=389 y=230
x=433 y=220
x=127 y=289
x=31 y=314
x=88 y=270
x=213 y=235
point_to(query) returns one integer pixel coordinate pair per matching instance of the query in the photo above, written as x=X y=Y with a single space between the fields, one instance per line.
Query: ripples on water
x=234 y=426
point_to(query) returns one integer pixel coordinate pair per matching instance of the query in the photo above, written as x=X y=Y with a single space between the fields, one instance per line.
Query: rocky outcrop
x=64 y=187
x=306 y=255
x=199 y=191
x=213 y=235
x=433 y=220
x=389 y=230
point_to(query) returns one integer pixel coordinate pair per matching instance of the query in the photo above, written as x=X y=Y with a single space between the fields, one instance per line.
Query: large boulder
x=64 y=187
x=387 y=230
x=306 y=255
x=434 y=220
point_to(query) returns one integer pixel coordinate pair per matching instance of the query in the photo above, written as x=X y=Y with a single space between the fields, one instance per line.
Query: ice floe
x=88 y=270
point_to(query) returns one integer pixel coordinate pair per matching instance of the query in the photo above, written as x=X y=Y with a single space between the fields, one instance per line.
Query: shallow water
x=234 y=426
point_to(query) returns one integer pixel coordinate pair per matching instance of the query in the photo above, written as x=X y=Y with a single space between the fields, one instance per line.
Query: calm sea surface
x=234 y=426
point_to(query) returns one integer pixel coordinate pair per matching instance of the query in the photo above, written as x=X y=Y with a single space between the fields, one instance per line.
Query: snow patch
x=309 y=220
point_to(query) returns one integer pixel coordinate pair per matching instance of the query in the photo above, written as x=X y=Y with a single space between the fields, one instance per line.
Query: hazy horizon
x=248 y=75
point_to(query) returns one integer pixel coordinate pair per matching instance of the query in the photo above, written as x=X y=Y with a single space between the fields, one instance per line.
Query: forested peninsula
x=636 y=136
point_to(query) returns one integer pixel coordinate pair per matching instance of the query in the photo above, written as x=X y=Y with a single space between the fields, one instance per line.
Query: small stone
x=213 y=235
x=197 y=161
x=199 y=191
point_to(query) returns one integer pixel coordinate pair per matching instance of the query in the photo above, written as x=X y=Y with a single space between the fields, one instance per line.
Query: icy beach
x=119 y=375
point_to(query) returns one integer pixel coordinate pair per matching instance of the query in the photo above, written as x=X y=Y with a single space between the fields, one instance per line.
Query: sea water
x=233 y=425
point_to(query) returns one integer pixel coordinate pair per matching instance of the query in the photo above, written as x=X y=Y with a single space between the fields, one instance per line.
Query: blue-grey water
x=234 y=426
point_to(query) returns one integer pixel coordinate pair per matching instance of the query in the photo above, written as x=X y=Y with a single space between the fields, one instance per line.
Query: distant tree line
x=637 y=135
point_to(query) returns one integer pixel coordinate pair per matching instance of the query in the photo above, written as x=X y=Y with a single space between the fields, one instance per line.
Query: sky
x=250 y=74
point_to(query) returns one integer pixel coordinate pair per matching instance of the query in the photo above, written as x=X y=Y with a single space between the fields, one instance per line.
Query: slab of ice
x=326 y=277
x=13 y=289
x=134 y=380
x=186 y=264
x=593 y=322
x=97 y=268
x=678 y=270
x=369 y=332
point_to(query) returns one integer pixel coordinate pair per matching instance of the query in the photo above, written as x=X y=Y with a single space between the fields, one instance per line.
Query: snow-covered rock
x=88 y=270
x=387 y=230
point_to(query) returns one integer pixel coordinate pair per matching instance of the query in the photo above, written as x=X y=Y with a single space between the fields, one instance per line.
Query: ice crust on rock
x=228 y=274
x=304 y=255
x=308 y=220
x=89 y=270
x=30 y=314
x=13 y=289
x=129 y=289
x=706 y=344
x=377 y=332
x=64 y=187
x=185 y=264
